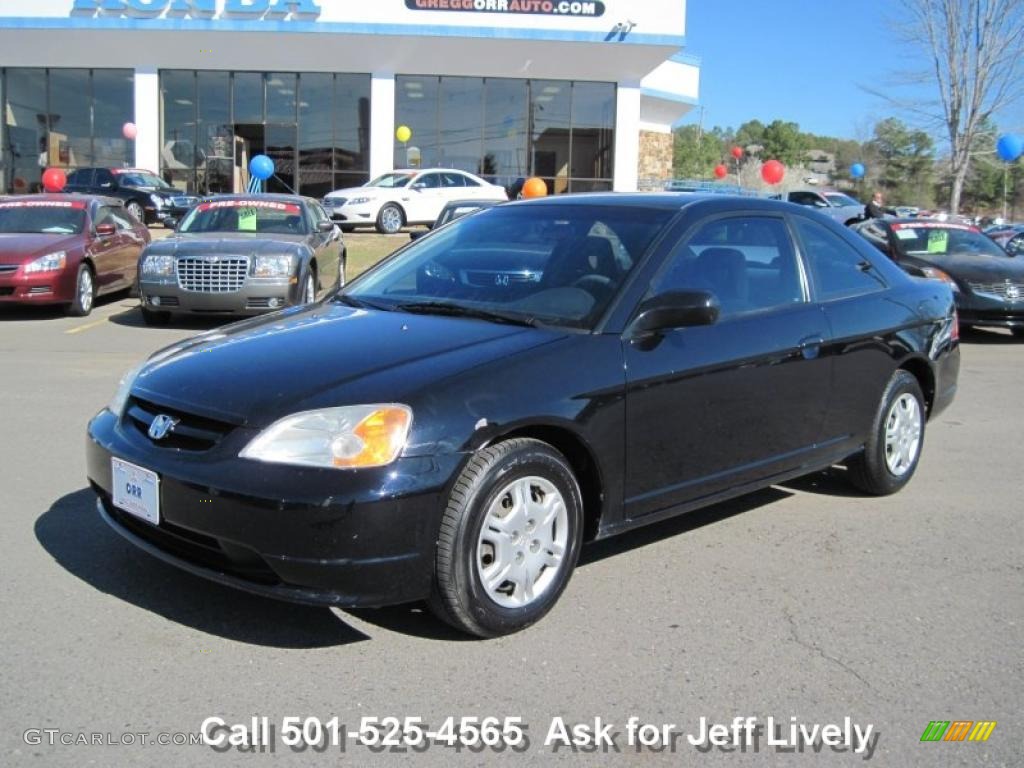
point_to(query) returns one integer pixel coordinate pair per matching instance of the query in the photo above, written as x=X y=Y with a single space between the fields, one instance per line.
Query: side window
x=747 y=262
x=104 y=215
x=430 y=180
x=454 y=180
x=838 y=269
x=121 y=218
x=804 y=198
x=468 y=181
x=104 y=178
x=81 y=178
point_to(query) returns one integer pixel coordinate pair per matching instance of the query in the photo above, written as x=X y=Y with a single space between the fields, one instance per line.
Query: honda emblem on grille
x=162 y=426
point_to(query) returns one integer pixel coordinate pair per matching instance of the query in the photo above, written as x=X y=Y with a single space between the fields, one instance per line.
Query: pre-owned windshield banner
x=542 y=7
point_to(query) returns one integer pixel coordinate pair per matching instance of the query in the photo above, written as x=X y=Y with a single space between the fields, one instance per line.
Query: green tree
x=784 y=142
x=750 y=135
x=696 y=153
x=905 y=158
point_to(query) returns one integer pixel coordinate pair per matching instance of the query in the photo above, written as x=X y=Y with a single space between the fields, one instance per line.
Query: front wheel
x=85 y=292
x=136 y=211
x=390 y=219
x=893 y=448
x=509 y=539
x=309 y=288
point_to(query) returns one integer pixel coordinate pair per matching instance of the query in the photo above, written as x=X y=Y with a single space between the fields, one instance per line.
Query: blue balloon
x=1010 y=147
x=857 y=170
x=262 y=167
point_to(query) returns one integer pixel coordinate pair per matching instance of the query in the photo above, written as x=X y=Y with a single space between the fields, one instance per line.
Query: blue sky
x=800 y=60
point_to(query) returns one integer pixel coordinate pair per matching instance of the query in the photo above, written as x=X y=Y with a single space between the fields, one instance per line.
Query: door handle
x=810 y=346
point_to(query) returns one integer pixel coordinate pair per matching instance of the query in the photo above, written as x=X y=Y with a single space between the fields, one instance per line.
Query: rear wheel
x=309 y=288
x=509 y=540
x=390 y=219
x=136 y=210
x=85 y=292
x=893 y=448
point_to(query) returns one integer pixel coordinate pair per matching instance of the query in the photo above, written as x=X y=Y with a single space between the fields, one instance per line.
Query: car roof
x=713 y=202
x=270 y=197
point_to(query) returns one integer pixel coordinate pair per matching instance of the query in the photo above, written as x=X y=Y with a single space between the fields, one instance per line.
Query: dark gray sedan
x=242 y=255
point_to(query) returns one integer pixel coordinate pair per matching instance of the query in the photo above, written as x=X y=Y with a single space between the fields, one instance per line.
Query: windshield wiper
x=458 y=310
x=352 y=301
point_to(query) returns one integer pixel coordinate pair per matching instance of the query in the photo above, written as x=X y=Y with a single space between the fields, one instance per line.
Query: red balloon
x=737 y=152
x=773 y=171
x=721 y=171
x=54 y=179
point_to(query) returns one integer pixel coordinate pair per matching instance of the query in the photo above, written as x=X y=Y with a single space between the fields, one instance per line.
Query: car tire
x=347 y=228
x=893 y=448
x=151 y=317
x=136 y=211
x=85 y=292
x=490 y=530
x=390 y=219
x=309 y=287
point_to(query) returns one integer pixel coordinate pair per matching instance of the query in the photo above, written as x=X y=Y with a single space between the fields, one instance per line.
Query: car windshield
x=138 y=179
x=931 y=240
x=42 y=217
x=547 y=263
x=245 y=217
x=390 y=180
x=840 y=201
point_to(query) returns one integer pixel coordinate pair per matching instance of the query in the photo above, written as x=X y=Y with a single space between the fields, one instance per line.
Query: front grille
x=212 y=274
x=191 y=433
x=6 y=269
x=1005 y=290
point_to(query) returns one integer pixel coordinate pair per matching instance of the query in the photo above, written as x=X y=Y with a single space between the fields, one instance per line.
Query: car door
x=864 y=323
x=717 y=406
x=425 y=198
x=108 y=252
x=131 y=241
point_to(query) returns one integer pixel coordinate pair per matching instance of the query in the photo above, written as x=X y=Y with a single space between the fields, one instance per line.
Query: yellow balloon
x=404 y=133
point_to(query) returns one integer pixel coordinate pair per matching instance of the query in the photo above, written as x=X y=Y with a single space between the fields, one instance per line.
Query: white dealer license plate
x=136 y=490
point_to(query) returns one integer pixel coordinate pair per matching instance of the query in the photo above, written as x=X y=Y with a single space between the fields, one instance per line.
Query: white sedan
x=407 y=196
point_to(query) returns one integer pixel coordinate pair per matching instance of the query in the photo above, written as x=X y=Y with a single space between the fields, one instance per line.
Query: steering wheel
x=598 y=286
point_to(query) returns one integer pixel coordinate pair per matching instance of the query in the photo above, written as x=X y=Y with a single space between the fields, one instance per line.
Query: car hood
x=223 y=244
x=256 y=371
x=17 y=248
x=367 y=192
x=975 y=267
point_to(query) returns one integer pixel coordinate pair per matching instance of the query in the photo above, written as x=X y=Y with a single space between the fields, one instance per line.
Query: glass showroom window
x=64 y=118
x=315 y=127
x=507 y=129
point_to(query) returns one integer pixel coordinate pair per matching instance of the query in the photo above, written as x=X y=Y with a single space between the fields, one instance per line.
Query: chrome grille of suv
x=212 y=274
x=1005 y=290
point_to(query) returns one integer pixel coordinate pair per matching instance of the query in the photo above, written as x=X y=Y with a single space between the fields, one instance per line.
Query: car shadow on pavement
x=828 y=482
x=988 y=336
x=72 y=532
x=132 y=318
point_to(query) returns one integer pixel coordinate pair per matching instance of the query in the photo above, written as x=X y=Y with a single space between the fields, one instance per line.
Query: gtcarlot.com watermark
x=56 y=737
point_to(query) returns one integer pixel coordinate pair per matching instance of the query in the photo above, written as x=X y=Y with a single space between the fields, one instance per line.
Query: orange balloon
x=534 y=187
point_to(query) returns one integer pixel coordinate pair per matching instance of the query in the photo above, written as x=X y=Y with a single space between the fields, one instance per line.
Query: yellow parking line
x=87 y=326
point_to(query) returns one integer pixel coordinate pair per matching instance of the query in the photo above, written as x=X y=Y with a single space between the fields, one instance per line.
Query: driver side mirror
x=105 y=230
x=325 y=226
x=676 y=309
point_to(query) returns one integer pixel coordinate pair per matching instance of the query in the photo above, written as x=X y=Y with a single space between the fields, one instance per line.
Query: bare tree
x=974 y=49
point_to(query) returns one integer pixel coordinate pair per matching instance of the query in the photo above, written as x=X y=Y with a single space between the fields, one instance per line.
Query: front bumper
x=324 y=537
x=256 y=296
x=57 y=287
x=365 y=213
x=990 y=311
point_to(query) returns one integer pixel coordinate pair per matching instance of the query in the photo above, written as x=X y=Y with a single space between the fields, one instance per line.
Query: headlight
x=937 y=274
x=359 y=200
x=273 y=266
x=355 y=436
x=157 y=201
x=124 y=387
x=51 y=262
x=161 y=266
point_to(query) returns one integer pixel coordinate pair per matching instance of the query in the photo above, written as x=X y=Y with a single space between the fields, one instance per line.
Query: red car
x=66 y=249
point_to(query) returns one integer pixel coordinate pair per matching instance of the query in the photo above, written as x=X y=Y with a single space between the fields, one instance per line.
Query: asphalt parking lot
x=803 y=601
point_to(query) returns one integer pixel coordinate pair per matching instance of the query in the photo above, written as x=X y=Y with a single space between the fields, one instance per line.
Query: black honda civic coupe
x=454 y=424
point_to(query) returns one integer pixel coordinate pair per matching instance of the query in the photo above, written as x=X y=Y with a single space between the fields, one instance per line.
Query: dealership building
x=582 y=94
